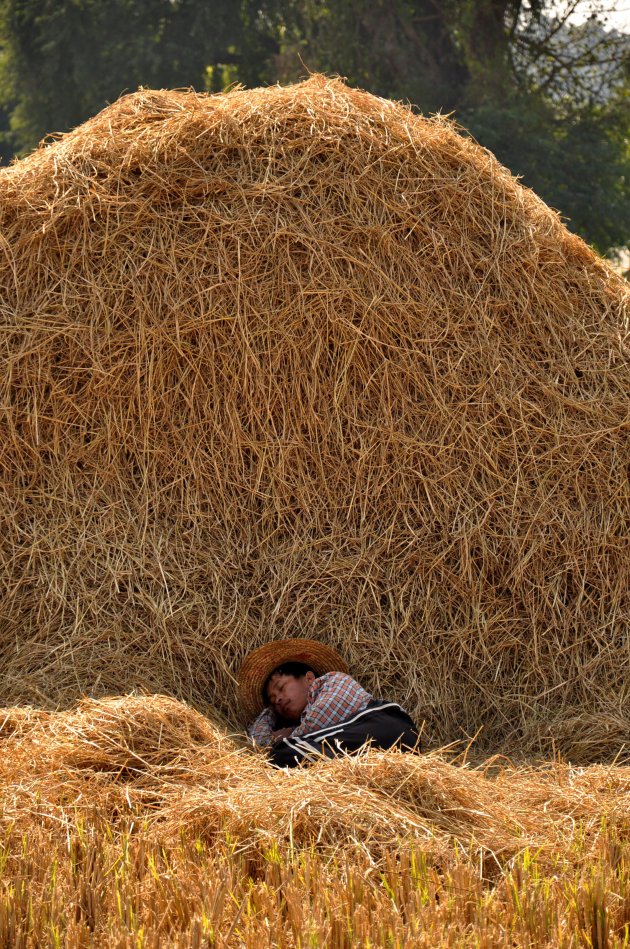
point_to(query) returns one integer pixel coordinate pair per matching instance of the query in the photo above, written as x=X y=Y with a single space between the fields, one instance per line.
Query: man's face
x=288 y=696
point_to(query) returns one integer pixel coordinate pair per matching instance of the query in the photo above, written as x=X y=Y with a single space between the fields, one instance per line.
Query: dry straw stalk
x=134 y=821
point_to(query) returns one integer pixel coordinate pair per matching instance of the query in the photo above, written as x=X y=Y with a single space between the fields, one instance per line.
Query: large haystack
x=298 y=362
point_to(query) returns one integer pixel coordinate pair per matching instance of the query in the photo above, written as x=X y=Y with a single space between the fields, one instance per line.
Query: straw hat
x=260 y=663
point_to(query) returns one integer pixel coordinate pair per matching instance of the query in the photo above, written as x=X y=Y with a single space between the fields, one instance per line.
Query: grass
x=93 y=885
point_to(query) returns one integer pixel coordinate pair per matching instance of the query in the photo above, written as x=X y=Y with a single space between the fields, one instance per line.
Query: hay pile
x=136 y=822
x=155 y=763
x=298 y=362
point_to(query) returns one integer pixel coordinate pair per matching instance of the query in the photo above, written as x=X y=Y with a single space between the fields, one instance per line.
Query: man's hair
x=295 y=669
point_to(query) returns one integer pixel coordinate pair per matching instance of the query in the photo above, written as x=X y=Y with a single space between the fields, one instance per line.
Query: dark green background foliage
x=550 y=99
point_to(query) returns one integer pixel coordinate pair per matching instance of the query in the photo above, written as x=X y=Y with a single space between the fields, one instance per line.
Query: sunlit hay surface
x=295 y=361
x=153 y=757
x=137 y=821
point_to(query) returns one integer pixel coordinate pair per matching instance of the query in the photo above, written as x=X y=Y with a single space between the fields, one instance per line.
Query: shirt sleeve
x=332 y=698
x=260 y=730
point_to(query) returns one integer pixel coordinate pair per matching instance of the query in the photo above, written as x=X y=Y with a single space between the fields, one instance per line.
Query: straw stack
x=297 y=362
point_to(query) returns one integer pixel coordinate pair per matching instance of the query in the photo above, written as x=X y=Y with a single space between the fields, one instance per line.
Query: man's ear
x=310 y=677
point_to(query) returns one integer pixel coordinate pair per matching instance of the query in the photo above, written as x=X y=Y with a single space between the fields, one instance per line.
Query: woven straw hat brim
x=260 y=663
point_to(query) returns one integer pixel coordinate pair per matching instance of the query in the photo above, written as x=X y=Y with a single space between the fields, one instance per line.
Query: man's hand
x=280 y=733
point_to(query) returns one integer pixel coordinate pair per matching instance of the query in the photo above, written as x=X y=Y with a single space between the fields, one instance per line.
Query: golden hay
x=186 y=776
x=101 y=846
x=295 y=361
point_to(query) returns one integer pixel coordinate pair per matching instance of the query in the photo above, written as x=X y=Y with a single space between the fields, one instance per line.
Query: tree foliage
x=63 y=60
x=578 y=162
x=547 y=94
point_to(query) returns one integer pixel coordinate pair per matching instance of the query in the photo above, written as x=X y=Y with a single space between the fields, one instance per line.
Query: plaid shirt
x=332 y=698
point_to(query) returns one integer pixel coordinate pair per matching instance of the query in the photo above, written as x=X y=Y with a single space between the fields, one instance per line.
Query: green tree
x=394 y=48
x=547 y=96
x=6 y=149
x=579 y=162
x=63 y=60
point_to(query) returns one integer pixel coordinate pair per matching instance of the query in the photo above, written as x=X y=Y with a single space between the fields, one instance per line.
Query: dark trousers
x=381 y=724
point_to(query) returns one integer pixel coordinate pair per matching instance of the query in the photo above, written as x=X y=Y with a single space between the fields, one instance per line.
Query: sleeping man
x=302 y=705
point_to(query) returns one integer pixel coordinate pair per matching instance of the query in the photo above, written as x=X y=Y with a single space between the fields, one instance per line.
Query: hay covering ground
x=299 y=362
x=153 y=759
x=135 y=821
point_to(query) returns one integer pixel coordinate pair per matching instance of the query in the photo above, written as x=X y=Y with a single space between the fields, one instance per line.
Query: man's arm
x=261 y=731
